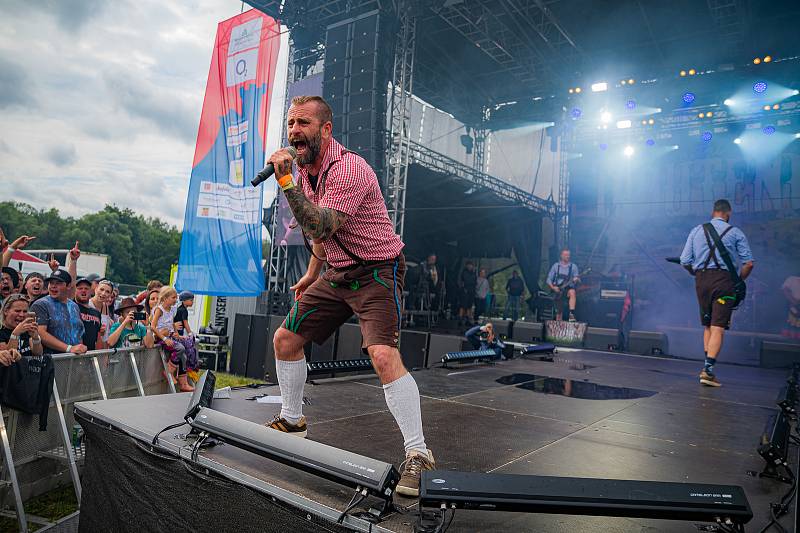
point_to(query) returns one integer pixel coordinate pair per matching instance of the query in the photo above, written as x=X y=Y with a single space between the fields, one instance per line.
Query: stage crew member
x=338 y=203
x=715 y=286
x=563 y=278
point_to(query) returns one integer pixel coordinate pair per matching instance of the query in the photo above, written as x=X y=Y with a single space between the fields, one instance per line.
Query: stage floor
x=586 y=414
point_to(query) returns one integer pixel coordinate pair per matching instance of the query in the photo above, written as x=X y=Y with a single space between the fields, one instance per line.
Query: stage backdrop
x=221 y=244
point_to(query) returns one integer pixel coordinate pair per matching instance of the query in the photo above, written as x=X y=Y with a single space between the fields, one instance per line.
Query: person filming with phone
x=129 y=330
x=19 y=333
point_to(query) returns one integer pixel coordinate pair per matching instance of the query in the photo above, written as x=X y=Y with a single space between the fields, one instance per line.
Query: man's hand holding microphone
x=279 y=163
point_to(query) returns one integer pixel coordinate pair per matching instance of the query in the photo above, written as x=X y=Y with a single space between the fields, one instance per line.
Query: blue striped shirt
x=696 y=250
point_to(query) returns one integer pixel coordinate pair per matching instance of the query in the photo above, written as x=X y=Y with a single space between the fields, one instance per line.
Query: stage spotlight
x=578 y=90
x=759 y=87
x=797 y=135
x=651 y=121
x=728 y=102
x=776 y=107
x=650 y=142
x=701 y=115
x=757 y=61
x=576 y=112
x=706 y=136
x=683 y=73
x=623 y=82
x=603 y=146
x=628 y=151
x=599 y=87
x=709 y=114
x=768 y=130
x=688 y=97
x=630 y=104
x=675 y=146
x=630 y=81
x=767 y=59
x=766 y=108
x=737 y=140
x=795 y=92
x=692 y=72
x=623 y=124
x=571 y=91
x=606 y=117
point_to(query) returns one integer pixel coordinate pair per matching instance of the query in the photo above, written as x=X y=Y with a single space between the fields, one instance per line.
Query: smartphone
x=139 y=315
x=30 y=314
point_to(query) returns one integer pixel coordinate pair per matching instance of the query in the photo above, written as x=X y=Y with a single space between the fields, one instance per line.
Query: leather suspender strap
x=711 y=235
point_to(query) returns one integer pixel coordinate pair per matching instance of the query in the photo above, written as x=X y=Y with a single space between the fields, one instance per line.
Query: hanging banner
x=221 y=243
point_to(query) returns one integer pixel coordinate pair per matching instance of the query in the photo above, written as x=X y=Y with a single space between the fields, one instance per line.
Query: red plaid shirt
x=352 y=188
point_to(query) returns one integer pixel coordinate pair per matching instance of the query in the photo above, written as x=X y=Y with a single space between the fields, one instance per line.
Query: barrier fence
x=34 y=461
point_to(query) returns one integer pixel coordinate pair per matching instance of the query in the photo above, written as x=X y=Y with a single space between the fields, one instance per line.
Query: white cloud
x=100 y=101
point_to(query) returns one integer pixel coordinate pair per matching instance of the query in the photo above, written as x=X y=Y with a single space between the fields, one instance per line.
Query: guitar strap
x=712 y=235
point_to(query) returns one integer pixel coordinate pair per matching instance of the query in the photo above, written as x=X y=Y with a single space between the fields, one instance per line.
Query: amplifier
x=648 y=343
x=613 y=294
x=580 y=496
x=779 y=354
x=602 y=339
x=527 y=331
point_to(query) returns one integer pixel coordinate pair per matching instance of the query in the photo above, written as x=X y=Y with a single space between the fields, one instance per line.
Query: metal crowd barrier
x=34 y=461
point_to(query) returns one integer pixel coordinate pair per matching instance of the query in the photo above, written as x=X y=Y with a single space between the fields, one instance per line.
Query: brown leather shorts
x=374 y=293
x=715 y=295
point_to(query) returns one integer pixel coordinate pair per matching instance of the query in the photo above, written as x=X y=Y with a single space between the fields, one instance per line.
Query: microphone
x=269 y=170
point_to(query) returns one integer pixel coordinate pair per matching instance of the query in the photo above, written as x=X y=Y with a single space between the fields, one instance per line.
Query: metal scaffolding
x=562 y=213
x=400 y=120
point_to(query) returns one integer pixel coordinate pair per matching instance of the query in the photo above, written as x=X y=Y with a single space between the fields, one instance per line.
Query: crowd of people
x=63 y=312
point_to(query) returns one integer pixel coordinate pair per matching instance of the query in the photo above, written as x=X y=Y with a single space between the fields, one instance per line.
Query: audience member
x=94 y=329
x=129 y=330
x=152 y=285
x=33 y=286
x=19 y=331
x=162 y=322
x=151 y=302
x=102 y=302
x=8 y=282
x=59 y=318
x=182 y=314
x=481 y=293
x=94 y=279
x=515 y=289
x=467 y=284
x=484 y=338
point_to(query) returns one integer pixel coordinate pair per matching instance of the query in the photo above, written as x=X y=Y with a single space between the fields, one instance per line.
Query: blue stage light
x=576 y=112
x=706 y=136
x=768 y=130
x=603 y=146
x=688 y=97
x=759 y=87
x=630 y=104
x=650 y=142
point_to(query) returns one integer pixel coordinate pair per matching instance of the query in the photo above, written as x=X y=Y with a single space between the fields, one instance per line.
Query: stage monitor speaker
x=240 y=346
x=606 y=339
x=438 y=345
x=527 y=331
x=349 y=345
x=648 y=343
x=413 y=347
x=502 y=327
x=323 y=352
x=779 y=354
x=261 y=360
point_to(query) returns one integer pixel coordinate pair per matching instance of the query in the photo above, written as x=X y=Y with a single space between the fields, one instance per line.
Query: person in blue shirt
x=713 y=283
x=484 y=338
x=562 y=280
x=58 y=317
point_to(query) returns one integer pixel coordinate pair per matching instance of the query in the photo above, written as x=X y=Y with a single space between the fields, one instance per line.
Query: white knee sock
x=402 y=397
x=291 y=379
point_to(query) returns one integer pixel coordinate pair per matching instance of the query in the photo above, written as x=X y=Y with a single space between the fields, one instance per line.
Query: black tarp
x=128 y=487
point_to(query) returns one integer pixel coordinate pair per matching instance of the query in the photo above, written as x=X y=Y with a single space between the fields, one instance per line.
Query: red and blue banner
x=221 y=243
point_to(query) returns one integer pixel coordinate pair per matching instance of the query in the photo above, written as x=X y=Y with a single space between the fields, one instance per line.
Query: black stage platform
x=587 y=414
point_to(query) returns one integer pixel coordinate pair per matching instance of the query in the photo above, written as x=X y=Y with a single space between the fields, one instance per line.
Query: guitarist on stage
x=719 y=287
x=562 y=279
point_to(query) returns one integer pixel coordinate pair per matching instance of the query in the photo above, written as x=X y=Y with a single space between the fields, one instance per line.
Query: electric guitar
x=739 y=287
x=567 y=281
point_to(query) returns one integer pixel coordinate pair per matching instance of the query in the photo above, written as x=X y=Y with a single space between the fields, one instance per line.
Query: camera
x=139 y=315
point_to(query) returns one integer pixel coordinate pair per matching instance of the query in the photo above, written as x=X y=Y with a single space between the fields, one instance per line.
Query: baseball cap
x=186 y=295
x=83 y=279
x=91 y=278
x=60 y=275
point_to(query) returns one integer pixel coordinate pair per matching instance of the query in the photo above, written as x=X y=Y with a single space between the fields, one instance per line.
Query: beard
x=313 y=147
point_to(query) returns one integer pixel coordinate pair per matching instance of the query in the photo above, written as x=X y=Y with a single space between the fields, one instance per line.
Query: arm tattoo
x=317 y=222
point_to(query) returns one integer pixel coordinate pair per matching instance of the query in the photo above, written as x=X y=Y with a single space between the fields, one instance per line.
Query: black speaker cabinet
x=413 y=347
x=502 y=327
x=606 y=339
x=349 y=344
x=438 y=345
x=527 y=331
x=779 y=354
x=261 y=358
x=648 y=343
x=240 y=344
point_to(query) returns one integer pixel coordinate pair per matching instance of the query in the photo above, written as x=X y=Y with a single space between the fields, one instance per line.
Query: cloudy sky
x=100 y=101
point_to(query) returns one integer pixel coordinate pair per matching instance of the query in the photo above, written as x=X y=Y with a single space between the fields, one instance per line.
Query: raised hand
x=53 y=263
x=22 y=241
x=75 y=253
x=3 y=241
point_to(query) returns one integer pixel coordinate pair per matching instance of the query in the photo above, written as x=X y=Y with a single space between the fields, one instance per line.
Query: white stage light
x=795 y=92
x=797 y=135
x=628 y=151
x=605 y=116
x=622 y=124
x=737 y=140
x=675 y=146
x=599 y=87
x=728 y=101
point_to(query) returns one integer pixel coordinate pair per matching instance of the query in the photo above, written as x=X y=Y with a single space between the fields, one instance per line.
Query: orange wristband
x=286 y=182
